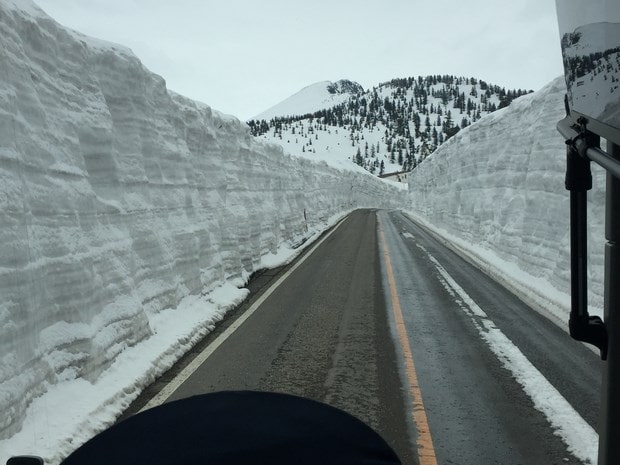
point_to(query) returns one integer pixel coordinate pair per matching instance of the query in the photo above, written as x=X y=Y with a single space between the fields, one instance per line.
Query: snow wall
x=496 y=189
x=119 y=198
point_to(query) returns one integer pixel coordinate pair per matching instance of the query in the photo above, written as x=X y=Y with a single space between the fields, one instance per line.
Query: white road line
x=577 y=434
x=174 y=384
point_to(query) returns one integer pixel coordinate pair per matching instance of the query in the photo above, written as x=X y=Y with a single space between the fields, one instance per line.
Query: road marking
x=424 y=441
x=174 y=384
x=580 y=438
x=408 y=235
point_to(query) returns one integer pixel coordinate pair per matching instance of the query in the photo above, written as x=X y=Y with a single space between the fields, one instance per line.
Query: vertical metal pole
x=582 y=326
x=579 y=255
x=609 y=435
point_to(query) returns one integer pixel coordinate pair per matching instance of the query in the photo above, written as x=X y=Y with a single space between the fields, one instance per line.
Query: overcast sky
x=244 y=56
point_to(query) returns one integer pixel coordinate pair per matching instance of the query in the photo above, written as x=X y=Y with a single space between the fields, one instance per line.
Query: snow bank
x=496 y=190
x=119 y=201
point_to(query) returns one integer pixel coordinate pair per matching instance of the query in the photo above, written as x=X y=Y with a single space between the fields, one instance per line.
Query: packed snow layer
x=119 y=201
x=496 y=190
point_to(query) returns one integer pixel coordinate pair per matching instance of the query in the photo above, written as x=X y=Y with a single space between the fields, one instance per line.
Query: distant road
x=383 y=321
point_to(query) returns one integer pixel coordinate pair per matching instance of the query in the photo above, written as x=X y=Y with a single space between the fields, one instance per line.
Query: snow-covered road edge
x=72 y=411
x=535 y=292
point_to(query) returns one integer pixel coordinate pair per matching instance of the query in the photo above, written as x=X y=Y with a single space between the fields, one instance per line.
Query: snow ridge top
x=317 y=96
x=344 y=86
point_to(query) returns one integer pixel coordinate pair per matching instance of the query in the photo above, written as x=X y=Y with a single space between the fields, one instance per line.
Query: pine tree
x=395 y=110
x=358 y=157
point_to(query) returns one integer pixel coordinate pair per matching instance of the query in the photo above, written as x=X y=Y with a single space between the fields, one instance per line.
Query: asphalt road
x=477 y=411
x=330 y=332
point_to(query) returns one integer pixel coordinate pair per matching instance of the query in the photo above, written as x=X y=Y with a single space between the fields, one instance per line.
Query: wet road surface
x=329 y=331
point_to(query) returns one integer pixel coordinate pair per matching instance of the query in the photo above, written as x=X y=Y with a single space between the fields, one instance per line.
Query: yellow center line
x=424 y=441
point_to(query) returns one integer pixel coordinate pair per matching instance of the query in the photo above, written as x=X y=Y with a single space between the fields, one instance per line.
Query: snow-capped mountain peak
x=386 y=129
x=317 y=96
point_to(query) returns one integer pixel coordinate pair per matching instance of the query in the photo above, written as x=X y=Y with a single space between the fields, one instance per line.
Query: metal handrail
x=569 y=131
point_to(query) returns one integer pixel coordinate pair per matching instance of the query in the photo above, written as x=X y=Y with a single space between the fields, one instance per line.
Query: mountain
x=389 y=128
x=324 y=94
